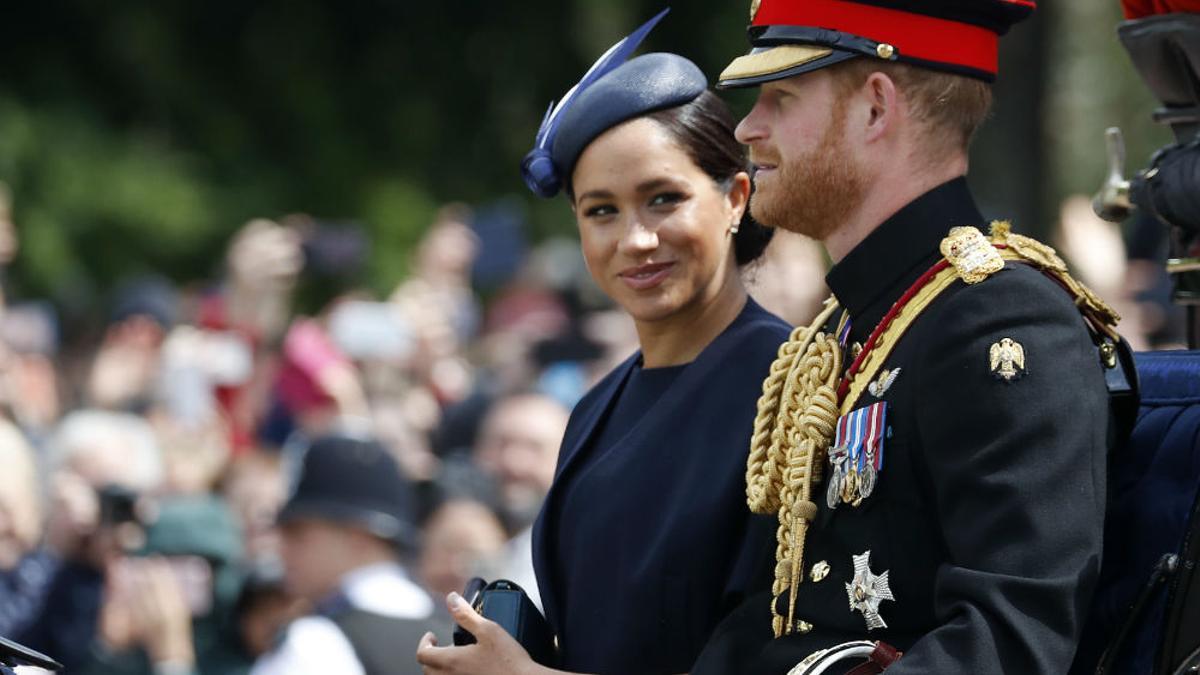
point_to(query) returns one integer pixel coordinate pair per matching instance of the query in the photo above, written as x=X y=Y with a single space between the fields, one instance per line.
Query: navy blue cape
x=674 y=547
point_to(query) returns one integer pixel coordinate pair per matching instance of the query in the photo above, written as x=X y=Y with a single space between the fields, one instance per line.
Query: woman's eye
x=599 y=211
x=666 y=198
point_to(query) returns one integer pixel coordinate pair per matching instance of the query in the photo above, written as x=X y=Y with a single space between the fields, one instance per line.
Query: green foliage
x=1094 y=86
x=138 y=135
x=94 y=205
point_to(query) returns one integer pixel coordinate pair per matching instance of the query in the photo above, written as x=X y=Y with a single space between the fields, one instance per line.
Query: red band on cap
x=916 y=36
x=1135 y=9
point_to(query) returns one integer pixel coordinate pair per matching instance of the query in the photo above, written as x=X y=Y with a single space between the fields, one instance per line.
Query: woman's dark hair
x=704 y=129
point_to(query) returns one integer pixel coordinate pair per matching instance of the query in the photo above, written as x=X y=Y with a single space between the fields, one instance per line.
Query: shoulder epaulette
x=972 y=256
x=1032 y=252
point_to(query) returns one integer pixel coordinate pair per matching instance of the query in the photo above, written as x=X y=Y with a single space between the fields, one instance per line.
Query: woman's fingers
x=495 y=652
x=435 y=659
x=466 y=616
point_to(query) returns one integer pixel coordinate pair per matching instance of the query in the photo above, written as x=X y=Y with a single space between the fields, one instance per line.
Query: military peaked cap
x=790 y=37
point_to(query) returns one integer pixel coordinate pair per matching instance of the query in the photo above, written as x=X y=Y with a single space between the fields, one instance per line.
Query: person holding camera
x=641 y=548
x=168 y=606
x=101 y=464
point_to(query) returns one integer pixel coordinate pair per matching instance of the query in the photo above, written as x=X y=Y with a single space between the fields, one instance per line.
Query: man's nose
x=751 y=129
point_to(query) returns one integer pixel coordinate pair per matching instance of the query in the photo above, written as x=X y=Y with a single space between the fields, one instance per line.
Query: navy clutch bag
x=507 y=604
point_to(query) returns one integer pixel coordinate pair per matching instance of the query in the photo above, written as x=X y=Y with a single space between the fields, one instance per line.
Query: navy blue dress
x=645 y=542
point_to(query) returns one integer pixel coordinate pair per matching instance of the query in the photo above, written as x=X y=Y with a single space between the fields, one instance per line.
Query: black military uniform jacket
x=988 y=509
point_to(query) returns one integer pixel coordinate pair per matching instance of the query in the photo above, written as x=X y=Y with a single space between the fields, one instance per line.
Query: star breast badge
x=1007 y=360
x=867 y=590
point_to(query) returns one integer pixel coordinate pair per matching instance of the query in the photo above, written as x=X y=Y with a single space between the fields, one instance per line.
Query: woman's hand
x=494 y=651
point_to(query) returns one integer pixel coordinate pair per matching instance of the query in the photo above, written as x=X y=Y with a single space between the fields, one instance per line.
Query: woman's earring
x=733 y=227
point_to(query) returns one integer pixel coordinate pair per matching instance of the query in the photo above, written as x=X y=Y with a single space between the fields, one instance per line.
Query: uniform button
x=819 y=571
x=855 y=350
x=804 y=627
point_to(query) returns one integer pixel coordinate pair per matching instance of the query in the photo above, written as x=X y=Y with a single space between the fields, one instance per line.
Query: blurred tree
x=140 y=134
x=1093 y=86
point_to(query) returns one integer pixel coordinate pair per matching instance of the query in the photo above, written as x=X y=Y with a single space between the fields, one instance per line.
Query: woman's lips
x=645 y=277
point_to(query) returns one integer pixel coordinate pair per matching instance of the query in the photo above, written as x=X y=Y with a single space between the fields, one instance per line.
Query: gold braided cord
x=797 y=413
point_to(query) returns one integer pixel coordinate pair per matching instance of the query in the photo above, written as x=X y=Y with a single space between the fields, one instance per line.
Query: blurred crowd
x=144 y=470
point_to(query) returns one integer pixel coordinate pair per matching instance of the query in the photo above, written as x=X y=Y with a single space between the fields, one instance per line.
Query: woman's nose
x=638 y=238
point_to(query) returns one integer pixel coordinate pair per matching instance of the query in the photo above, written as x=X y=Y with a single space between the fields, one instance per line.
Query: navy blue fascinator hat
x=612 y=91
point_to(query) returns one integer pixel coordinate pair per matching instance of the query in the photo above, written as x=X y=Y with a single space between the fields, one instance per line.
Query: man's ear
x=883 y=106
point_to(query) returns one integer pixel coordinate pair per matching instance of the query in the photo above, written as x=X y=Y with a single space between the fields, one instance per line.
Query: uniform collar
x=874 y=274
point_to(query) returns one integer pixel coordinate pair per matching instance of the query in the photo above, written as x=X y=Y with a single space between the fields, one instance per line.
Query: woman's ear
x=739 y=194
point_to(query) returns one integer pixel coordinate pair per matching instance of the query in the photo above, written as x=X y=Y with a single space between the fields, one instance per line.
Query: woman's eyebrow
x=653 y=184
x=595 y=194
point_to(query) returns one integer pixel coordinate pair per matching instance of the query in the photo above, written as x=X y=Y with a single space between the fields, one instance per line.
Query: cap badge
x=868 y=590
x=971 y=254
x=884 y=382
x=1006 y=360
x=856 y=457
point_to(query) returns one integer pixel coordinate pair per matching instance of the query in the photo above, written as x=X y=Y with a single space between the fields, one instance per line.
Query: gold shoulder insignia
x=974 y=257
x=1034 y=252
x=1007 y=360
x=1027 y=247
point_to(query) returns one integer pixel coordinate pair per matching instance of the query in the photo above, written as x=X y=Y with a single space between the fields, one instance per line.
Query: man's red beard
x=814 y=195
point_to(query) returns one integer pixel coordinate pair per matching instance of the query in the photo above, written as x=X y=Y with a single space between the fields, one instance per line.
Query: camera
x=118 y=505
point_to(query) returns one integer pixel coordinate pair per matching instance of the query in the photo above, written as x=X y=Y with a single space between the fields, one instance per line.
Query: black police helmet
x=353 y=481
